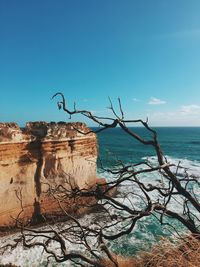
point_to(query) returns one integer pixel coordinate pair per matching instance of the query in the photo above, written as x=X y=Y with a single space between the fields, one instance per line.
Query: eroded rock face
x=42 y=155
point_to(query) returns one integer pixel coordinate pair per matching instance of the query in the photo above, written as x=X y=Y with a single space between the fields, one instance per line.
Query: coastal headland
x=38 y=157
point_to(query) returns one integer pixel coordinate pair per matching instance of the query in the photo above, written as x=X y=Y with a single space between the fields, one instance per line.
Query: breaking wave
x=146 y=232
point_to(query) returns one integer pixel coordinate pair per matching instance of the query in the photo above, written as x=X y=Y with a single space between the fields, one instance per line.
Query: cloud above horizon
x=185 y=115
x=156 y=101
x=190 y=109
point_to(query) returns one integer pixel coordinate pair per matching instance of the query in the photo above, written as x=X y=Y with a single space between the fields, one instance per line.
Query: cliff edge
x=40 y=155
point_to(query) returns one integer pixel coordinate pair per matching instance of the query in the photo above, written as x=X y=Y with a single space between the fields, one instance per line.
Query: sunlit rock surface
x=40 y=155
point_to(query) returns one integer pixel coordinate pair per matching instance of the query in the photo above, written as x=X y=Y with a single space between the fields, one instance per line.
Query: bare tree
x=119 y=215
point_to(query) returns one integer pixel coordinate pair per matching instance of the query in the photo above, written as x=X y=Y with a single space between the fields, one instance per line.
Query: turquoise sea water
x=176 y=142
x=179 y=144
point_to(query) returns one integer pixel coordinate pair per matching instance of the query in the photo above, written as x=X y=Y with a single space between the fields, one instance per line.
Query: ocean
x=179 y=144
x=176 y=142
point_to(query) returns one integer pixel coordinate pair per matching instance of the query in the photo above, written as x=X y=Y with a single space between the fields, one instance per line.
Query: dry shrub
x=165 y=254
x=122 y=262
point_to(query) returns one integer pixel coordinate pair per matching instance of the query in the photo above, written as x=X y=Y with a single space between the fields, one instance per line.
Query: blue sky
x=146 y=52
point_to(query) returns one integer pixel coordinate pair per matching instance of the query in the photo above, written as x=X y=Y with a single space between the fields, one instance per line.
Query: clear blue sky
x=147 y=52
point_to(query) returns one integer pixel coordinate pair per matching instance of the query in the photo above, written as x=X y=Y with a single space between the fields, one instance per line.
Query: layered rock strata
x=38 y=157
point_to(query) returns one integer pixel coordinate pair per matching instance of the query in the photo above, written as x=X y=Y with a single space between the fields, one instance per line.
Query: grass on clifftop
x=165 y=254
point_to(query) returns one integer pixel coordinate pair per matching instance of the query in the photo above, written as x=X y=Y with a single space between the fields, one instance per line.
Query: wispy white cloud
x=156 y=101
x=186 y=115
x=190 y=110
x=136 y=99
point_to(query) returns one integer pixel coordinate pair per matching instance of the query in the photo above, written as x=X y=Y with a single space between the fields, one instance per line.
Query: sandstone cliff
x=40 y=155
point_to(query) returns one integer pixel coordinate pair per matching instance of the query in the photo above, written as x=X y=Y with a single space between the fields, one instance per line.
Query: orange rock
x=40 y=156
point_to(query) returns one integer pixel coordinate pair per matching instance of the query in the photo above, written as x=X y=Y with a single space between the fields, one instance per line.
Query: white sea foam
x=36 y=257
x=145 y=231
x=192 y=166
